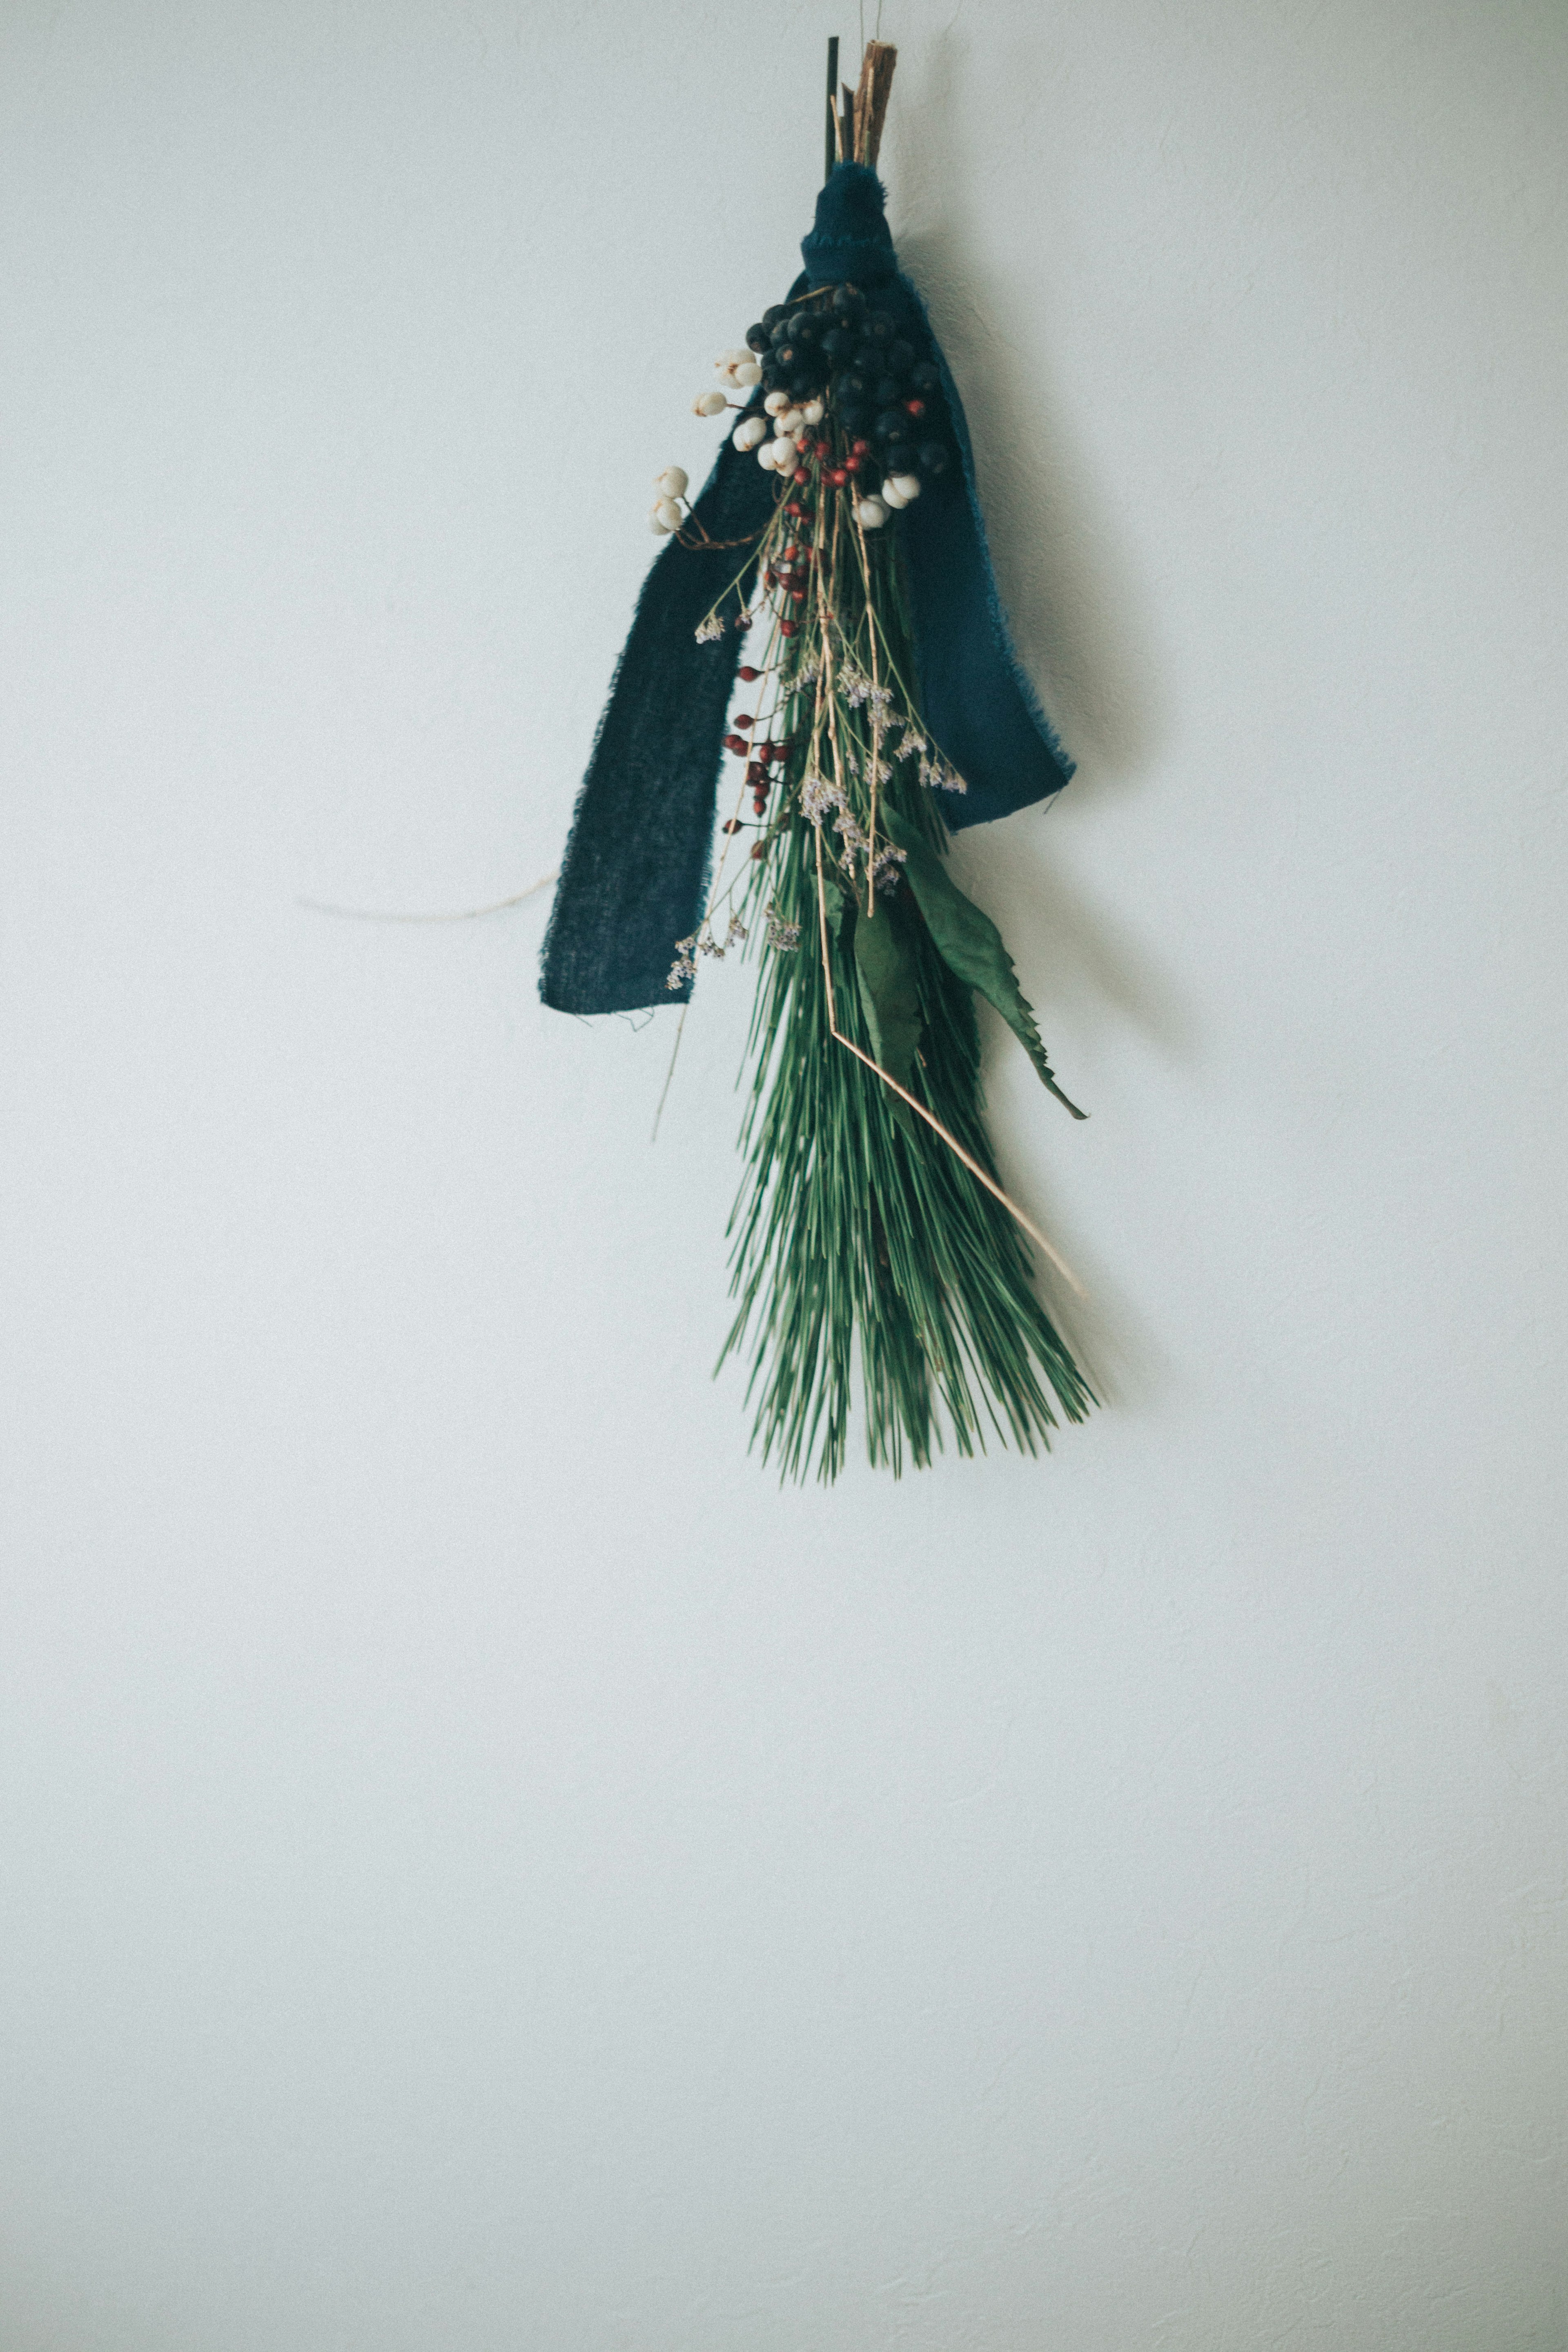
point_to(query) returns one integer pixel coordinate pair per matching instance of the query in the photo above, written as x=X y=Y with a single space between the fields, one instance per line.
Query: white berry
x=671 y=482
x=907 y=487
x=660 y=530
x=871 y=514
x=749 y=434
x=891 y=496
x=748 y=373
x=668 y=514
x=811 y=412
x=710 y=403
x=776 y=403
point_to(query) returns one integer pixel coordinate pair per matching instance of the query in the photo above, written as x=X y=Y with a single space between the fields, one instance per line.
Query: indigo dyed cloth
x=636 y=864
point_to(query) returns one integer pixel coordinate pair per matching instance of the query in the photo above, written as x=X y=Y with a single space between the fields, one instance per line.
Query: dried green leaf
x=889 y=990
x=971 y=945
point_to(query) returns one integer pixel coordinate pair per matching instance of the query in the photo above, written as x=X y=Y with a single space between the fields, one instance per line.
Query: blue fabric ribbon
x=636 y=870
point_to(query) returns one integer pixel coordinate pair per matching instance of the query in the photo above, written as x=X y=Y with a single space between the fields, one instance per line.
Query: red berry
x=795 y=508
x=736 y=743
x=838 y=476
x=798 y=595
x=754 y=772
x=730 y=825
x=859 y=449
x=758 y=849
x=748 y=677
x=744 y=718
x=853 y=465
x=801 y=475
x=915 y=407
x=788 y=629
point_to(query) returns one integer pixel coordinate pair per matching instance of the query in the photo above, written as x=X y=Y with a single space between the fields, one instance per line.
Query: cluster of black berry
x=851 y=355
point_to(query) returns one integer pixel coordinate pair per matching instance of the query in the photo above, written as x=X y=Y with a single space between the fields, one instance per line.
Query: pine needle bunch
x=872 y=1233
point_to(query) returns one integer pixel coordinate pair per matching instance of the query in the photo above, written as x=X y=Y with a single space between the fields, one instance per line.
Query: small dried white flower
x=935 y=771
x=817 y=796
x=783 y=936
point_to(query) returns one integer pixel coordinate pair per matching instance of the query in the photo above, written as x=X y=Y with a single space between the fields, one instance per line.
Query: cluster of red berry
x=760 y=759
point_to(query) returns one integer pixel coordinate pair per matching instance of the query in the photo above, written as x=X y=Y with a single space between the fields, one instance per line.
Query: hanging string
x=462 y=915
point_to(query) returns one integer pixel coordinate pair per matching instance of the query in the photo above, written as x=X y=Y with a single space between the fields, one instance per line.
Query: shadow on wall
x=1080 y=622
x=1071 y=590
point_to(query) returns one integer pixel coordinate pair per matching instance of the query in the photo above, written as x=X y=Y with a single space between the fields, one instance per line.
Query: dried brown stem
x=872 y=100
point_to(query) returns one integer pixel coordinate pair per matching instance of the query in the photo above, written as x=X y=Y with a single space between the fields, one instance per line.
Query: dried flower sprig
x=874 y=1245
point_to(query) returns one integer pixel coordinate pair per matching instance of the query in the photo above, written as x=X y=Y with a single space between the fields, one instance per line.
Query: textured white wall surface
x=482 y=1866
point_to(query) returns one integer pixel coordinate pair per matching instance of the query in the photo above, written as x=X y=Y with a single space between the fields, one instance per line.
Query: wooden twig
x=872 y=100
x=832 y=124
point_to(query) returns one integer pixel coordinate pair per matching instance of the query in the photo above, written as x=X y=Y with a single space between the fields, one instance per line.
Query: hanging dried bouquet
x=838 y=545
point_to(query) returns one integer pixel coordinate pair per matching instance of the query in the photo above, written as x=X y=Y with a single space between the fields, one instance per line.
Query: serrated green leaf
x=970 y=944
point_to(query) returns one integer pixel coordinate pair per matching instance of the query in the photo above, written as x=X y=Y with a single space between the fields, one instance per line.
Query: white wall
x=483 y=1868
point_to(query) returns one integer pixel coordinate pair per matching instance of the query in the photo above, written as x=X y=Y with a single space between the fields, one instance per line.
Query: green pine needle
x=864 y=1251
